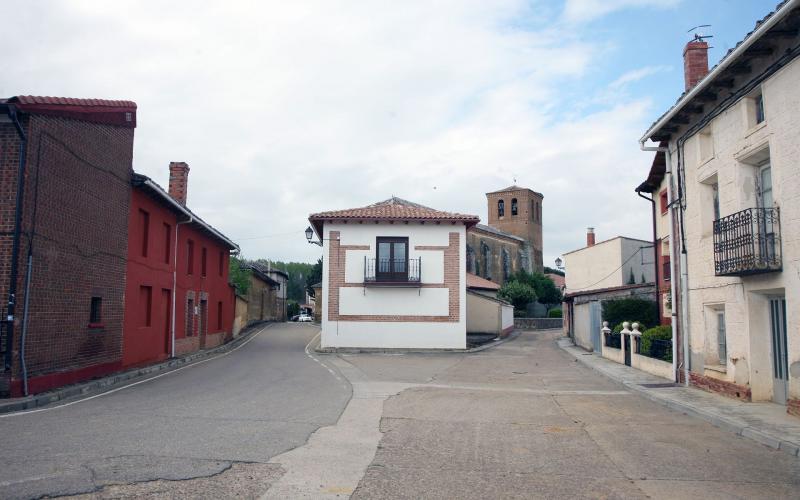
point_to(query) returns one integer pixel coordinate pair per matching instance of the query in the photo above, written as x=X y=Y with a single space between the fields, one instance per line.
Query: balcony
x=392 y=272
x=748 y=242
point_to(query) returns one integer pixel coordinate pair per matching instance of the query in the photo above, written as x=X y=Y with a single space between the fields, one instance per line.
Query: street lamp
x=559 y=262
x=310 y=234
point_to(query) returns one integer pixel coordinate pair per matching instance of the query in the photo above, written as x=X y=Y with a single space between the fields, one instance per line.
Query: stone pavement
x=766 y=423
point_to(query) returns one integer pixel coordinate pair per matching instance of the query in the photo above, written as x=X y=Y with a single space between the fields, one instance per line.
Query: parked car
x=295 y=317
x=305 y=318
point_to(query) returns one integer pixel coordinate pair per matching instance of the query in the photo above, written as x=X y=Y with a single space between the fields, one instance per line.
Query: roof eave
x=724 y=64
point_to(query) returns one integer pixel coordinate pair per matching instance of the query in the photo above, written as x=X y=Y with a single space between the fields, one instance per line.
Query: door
x=780 y=359
x=166 y=314
x=596 y=322
x=766 y=231
x=203 y=322
x=392 y=259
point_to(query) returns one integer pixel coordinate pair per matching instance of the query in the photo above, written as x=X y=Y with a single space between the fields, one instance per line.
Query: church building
x=513 y=238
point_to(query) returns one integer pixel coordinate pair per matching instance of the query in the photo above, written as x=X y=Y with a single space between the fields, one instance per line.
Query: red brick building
x=171 y=248
x=90 y=252
x=65 y=184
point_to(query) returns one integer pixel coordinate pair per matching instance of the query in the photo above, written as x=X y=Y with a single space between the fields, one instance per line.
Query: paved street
x=521 y=420
x=225 y=414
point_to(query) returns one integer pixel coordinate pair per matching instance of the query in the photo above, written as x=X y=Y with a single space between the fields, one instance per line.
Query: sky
x=282 y=109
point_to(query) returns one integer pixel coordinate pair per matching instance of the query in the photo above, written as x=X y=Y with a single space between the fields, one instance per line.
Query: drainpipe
x=655 y=244
x=674 y=320
x=12 y=287
x=175 y=283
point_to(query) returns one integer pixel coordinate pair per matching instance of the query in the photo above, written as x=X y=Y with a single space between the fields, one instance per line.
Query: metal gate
x=595 y=323
x=780 y=359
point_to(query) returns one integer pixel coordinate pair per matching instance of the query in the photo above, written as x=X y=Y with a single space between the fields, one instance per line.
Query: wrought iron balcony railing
x=748 y=242
x=392 y=271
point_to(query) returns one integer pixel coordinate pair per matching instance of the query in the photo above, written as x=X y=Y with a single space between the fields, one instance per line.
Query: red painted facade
x=204 y=302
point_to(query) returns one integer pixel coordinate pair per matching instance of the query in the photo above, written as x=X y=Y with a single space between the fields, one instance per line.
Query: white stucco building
x=393 y=276
x=732 y=144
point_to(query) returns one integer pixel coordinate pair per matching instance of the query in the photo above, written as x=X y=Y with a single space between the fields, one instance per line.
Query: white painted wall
x=376 y=301
x=737 y=143
x=608 y=264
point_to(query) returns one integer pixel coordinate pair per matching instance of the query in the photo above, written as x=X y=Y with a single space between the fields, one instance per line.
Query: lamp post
x=309 y=235
x=559 y=263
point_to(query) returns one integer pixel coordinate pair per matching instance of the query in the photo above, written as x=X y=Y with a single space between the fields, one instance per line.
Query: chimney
x=695 y=62
x=589 y=236
x=179 y=181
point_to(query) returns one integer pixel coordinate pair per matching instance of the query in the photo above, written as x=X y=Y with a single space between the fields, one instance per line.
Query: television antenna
x=698 y=35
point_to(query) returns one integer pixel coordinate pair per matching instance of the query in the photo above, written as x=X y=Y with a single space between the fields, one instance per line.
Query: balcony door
x=766 y=222
x=392 y=259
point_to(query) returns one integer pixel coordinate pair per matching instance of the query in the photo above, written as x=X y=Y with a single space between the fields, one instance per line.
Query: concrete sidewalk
x=766 y=423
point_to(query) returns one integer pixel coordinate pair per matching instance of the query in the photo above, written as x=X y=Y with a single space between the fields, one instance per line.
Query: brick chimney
x=179 y=181
x=589 y=236
x=695 y=62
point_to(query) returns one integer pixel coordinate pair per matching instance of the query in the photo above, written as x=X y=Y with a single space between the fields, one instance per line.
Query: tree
x=314 y=277
x=518 y=293
x=632 y=278
x=238 y=275
x=297 y=271
x=547 y=293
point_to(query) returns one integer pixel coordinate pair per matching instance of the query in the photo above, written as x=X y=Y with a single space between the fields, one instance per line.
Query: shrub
x=618 y=310
x=662 y=332
x=554 y=313
x=519 y=294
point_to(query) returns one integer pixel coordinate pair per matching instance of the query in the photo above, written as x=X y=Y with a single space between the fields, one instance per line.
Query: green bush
x=618 y=310
x=662 y=332
x=292 y=308
x=518 y=293
x=554 y=313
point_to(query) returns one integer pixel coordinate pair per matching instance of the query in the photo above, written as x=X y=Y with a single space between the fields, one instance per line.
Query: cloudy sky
x=286 y=108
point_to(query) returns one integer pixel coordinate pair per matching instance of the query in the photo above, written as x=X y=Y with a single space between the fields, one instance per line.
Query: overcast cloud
x=286 y=108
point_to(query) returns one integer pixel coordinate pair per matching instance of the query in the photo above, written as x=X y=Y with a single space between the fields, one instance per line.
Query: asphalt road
x=239 y=409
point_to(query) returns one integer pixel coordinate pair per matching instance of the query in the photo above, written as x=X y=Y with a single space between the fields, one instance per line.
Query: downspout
x=655 y=245
x=12 y=288
x=175 y=283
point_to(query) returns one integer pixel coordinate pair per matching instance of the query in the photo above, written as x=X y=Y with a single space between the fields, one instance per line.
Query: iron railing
x=659 y=349
x=392 y=271
x=614 y=340
x=748 y=242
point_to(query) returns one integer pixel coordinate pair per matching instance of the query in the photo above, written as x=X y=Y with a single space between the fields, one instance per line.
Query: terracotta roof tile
x=475 y=281
x=394 y=209
x=71 y=101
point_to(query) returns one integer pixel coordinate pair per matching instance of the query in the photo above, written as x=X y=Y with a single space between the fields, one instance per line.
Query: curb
x=408 y=350
x=109 y=382
x=754 y=434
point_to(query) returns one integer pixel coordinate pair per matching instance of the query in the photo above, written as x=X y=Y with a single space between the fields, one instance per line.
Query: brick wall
x=452 y=281
x=720 y=386
x=526 y=224
x=793 y=407
x=75 y=214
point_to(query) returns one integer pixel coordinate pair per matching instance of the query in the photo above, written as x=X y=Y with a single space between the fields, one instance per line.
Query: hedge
x=618 y=310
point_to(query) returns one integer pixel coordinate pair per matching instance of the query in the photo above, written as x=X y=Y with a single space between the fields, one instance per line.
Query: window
x=144 y=225
x=219 y=316
x=391 y=263
x=221 y=263
x=663 y=201
x=96 y=311
x=203 y=261
x=715 y=199
x=190 y=257
x=167 y=242
x=189 y=317
x=145 y=306
x=666 y=268
x=759 y=105
x=722 y=350
x=501 y=208
x=513 y=206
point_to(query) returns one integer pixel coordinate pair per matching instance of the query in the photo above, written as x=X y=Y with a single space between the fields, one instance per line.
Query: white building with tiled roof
x=394 y=276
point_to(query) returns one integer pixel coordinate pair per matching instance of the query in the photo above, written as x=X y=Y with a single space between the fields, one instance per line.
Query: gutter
x=152 y=185
x=719 y=68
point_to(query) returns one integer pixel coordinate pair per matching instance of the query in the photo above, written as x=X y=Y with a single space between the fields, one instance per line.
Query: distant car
x=305 y=318
x=295 y=317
